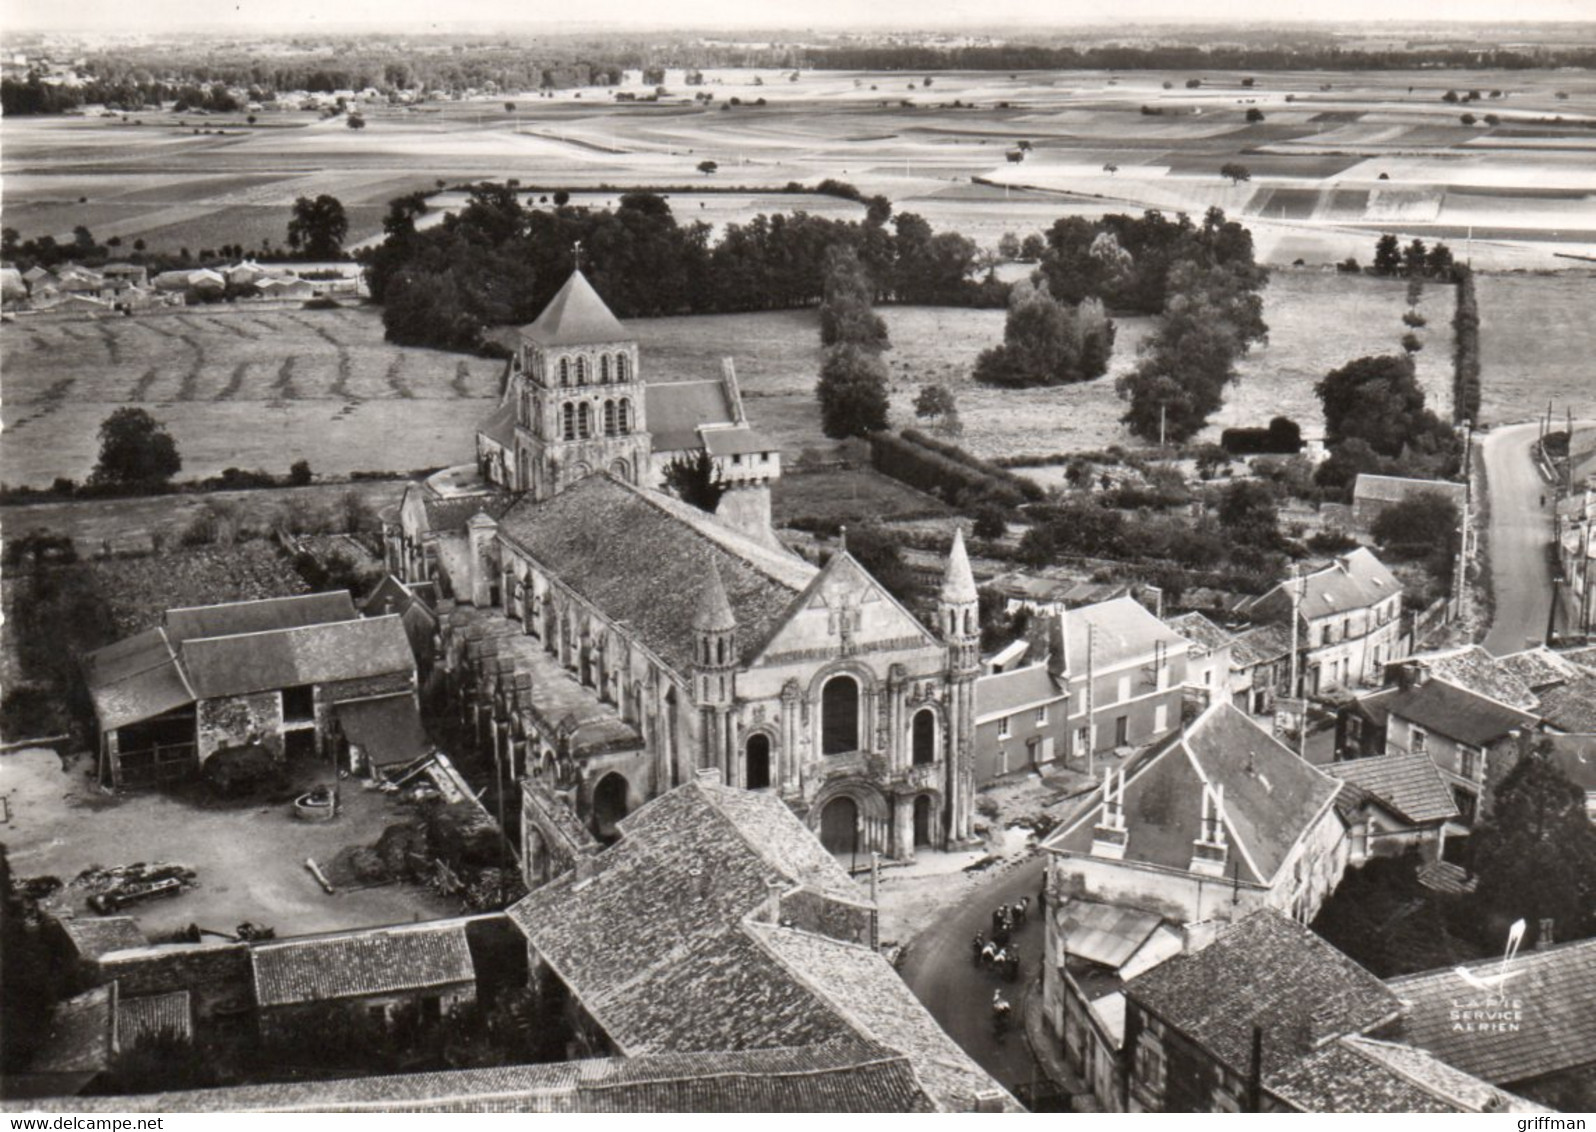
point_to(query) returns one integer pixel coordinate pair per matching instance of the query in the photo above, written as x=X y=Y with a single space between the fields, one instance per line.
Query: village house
x=1392 y=803
x=1472 y=739
x=1218 y=820
x=296 y=676
x=717 y=922
x=1208 y=657
x=1371 y=495
x=1127 y=671
x=1048 y=597
x=1021 y=718
x=1525 y=1023
x=1270 y=1018
x=1260 y=668
x=610 y=639
x=1349 y=623
x=425 y=967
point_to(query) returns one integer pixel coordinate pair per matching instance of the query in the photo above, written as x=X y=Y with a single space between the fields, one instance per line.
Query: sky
x=165 y=16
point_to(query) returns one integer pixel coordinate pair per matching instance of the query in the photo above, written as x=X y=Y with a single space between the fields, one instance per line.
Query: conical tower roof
x=714 y=613
x=576 y=317
x=958 y=583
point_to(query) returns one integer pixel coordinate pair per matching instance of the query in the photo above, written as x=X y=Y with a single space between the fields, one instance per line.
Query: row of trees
x=853 y=381
x=498 y=262
x=1414 y=261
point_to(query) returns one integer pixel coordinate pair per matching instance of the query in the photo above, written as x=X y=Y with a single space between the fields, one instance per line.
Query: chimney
x=709 y=775
x=988 y=1100
x=1109 y=836
x=586 y=867
x=771 y=912
x=1056 y=666
x=1544 y=938
x=1210 y=849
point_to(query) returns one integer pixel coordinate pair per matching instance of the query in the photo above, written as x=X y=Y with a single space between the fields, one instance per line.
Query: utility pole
x=1162 y=410
x=1091 y=700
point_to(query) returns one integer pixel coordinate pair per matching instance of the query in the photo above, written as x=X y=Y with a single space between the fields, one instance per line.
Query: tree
x=1236 y=172
x=1047 y=343
x=1535 y=852
x=1009 y=246
x=1110 y=168
x=318 y=226
x=1411 y=343
x=695 y=479
x=135 y=449
x=1387 y=255
x=1378 y=400
x=934 y=402
x=1247 y=512
x=356 y=122
x=708 y=167
x=845 y=311
x=852 y=392
x=1425 y=525
x=1450 y=96
x=990 y=522
x=1467 y=119
x=1414 y=258
x=1255 y=115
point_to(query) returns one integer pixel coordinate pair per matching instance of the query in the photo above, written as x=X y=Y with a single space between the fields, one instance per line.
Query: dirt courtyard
x=250 y=859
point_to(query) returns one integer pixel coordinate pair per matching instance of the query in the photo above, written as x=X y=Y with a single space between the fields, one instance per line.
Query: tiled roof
x=1199 y=631
x=736 y=441
x=1571 y=707
x=1272 y=798
x=1538 y=668
x=1408 y=784
x=1394 y=489
x=858 y=982
x=237 y=617
x=675 y=409
x=1437 y=1078
x=1581 y=657
x=600 y=536
x=1259 y=645
x=1125 y=630
x=1473 y=668
x=1268 y=971
x=684 y=975
x=1003 y=692
x=1358 y=580
x=451 y=513
x=576 y=316
x=94 y=936
x=153 y=1016
x=1444 y=876
x=500 y=425
x=847 y=1075
x=1443 y=708
x=314 y=654
x=369 y=961
x=134 y=679
x=1555 y=1030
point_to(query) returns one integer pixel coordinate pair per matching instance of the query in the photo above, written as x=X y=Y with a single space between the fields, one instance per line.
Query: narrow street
x=959 y=995
x=1520 y=531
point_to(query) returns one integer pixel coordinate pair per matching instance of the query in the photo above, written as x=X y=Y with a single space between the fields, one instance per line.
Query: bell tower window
x=604 y=369
x=565 y=371
x=623 y=416
x=581 y=371
x=609 y=418
x=568 y=421
x=623 y=366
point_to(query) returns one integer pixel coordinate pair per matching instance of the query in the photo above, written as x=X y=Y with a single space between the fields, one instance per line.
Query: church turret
x=959 y=621
x=715 y=665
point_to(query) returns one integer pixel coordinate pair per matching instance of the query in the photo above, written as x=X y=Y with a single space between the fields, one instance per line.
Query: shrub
x=299 y=473
x=923 y=466
x=990 y=521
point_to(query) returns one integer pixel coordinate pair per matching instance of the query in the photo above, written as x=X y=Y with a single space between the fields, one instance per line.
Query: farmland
x=1337 y=157
x=1537 y=341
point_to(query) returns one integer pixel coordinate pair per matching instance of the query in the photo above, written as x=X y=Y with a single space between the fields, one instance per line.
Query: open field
x=1338 y=156
x=1537 y=345
x=236 y=388
x=851 y=495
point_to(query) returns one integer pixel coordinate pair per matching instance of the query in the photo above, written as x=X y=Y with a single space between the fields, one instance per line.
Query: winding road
x=1520 y=532
x=959 y=995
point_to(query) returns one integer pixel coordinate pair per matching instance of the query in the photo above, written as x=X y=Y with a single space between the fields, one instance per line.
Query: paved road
x=1520 y=530
x=959 y=995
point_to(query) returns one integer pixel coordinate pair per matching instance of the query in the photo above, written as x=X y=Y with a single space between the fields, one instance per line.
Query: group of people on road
x=998 y=954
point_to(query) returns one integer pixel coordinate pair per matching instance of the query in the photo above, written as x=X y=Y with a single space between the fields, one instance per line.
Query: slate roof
x=133 y=679
x=1259 y=645
x=365 y=962
x=1571 y=707
x=848 y=1075
x=576 y=316
x=600 y=536
x=153 y=1016
x=1473 y=668
x=1358 y=580
x=740 y=440
x=1269 y=971
x=1555 y=989
x=315 y=654
x=500 y=425
x=233 y=618
x=1443 y=708
x=1199 y=631
x=1125 y=628
x=1409 y=785
x=1005 y=692
x=94 y=936
x=1272 y=798
x=451 y=513
x=674 y=410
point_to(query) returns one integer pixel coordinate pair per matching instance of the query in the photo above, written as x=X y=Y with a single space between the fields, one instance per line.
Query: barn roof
x=311 y=654
x=365 y=962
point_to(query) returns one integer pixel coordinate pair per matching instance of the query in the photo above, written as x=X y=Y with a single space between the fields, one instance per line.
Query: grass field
x=1337 y=137
x=247 y=389
x=1537 y=345
x=852 y=495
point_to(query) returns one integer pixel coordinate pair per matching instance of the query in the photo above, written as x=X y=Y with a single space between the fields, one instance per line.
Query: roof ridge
x=332 y=595
x=357 y=619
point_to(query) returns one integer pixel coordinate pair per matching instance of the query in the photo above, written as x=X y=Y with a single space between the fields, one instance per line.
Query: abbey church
x=611 y=641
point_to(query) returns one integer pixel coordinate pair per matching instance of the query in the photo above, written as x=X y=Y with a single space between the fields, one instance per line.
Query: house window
x=1420 y=742
x=299 y=704
x=1003 y=728
x=1041 y=715
x=1083 y=739
x=1124 y=689
x=1150 y=1063
x=1346 y=628
x=1470 y=762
